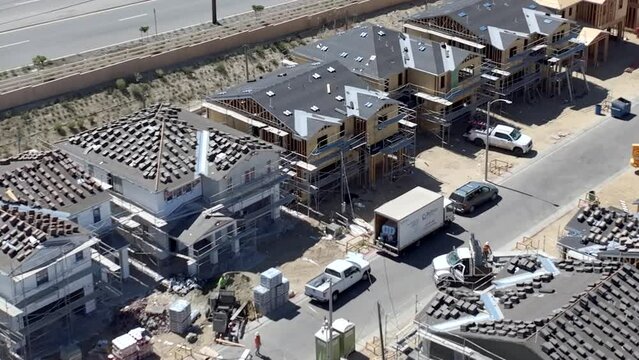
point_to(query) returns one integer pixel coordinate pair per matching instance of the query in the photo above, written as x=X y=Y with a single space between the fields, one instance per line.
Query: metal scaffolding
x=36 y=336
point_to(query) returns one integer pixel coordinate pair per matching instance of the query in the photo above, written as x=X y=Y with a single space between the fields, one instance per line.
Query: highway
x=56 y=28
x=530 y=196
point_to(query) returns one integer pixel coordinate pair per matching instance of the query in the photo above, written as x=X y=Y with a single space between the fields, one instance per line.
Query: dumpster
x=620 y=107
x=346 y=329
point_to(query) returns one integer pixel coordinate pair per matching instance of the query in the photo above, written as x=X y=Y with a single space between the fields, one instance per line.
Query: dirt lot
x=624 y=187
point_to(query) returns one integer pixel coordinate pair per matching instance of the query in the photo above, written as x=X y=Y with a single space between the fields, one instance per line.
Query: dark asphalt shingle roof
x=593 y=308
x=48 y=180
x=130 y=147
x=23 y=232
x=383 y=52
x=300 y=99
x=193 y=228
x=517 y=18
x=611 y=239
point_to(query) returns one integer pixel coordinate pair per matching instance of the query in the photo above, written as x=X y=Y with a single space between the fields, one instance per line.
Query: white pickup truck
x=501 y=136
x=342 y=273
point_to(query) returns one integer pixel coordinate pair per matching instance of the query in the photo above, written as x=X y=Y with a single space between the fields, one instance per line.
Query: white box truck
x=408 y=218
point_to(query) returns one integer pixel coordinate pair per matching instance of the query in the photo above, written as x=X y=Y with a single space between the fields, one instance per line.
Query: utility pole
x=246 y=62
x=214 y=12
x=330 y=320
x=19 y=139
x=381 y=332
x=487 y=140
x=155 y=19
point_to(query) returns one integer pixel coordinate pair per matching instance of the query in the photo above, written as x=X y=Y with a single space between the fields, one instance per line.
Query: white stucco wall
x=26 y=284
x=85 y=218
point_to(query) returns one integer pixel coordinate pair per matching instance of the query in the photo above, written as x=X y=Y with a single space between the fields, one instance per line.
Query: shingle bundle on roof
x=160 y=141
x=21 y=232
x=46 y=180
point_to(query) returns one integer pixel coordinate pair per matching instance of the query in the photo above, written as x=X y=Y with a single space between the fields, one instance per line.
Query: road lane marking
x=25 y=2
x=133 y=17
x=73 y=17
x=14 y=44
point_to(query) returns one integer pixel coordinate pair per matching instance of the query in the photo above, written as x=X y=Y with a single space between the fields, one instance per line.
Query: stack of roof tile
x=21 y=232
x=45 y=180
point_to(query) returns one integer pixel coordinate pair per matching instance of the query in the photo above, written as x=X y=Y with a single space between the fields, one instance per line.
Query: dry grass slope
x=39 y=127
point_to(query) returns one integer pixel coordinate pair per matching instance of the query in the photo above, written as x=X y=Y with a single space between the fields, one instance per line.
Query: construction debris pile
x=228 y=316
x=182 y=286
x=272 y=292
x=142 y=314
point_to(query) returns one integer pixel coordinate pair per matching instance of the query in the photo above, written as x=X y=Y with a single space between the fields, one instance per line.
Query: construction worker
x=487 y=251
x=258 y=344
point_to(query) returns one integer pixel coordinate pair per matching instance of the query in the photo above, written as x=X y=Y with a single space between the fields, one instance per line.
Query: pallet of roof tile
x=271 y=278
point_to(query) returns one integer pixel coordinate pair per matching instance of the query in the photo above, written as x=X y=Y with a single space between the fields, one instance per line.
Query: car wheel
x=367 y=275
x=479 y=142
x=471 y=209
x=493 y=197
x=518 y=151
x=334 y=296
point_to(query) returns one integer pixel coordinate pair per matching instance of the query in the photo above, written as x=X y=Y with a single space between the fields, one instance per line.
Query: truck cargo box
x=408 y=218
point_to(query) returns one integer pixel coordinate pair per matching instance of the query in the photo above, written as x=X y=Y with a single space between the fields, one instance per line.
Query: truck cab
x=452 y=268
x=463 y=265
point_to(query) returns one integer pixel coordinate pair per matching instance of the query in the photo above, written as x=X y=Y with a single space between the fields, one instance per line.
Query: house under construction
x=335 y=127
x=189 y=195
x=439 y=81
x=526 y=50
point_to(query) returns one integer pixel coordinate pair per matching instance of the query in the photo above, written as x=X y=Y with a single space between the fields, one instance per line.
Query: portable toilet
x=620 y=107
x=346 y=330
x=322 y=344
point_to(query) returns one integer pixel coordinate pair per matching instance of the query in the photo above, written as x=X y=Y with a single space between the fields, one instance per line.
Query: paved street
x=529 y=196
x=98 y=23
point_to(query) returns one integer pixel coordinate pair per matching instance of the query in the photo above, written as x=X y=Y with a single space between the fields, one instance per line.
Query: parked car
x=342 y=273
x=472 y=194
x=501 y=136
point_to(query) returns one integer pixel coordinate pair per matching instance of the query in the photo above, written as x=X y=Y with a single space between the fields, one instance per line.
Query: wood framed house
x=334 y=125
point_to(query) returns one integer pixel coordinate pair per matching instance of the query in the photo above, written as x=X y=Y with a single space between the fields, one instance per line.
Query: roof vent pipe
x=328 y=88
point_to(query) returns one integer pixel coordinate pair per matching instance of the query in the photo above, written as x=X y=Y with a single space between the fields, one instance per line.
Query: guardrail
x=183 y=39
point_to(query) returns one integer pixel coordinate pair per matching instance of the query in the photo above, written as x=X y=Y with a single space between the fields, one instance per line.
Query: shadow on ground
x=546 y=109
x=621 y=55
x=365 y=200
x=352 y=292
x=295 y=238
x=483 y=207
x=421 y=254
x=287 y=311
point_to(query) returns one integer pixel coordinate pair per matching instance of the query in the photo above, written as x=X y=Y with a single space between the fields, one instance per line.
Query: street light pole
x=155 y=19
x=488 y=133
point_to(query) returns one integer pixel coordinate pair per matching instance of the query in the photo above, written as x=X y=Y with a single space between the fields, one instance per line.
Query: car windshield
x=452 y=258
x=457 y=197
x=515 y=134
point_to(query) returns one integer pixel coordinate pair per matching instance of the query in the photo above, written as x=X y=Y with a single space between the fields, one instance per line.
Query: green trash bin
x=346 y=329
x=322 y=344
